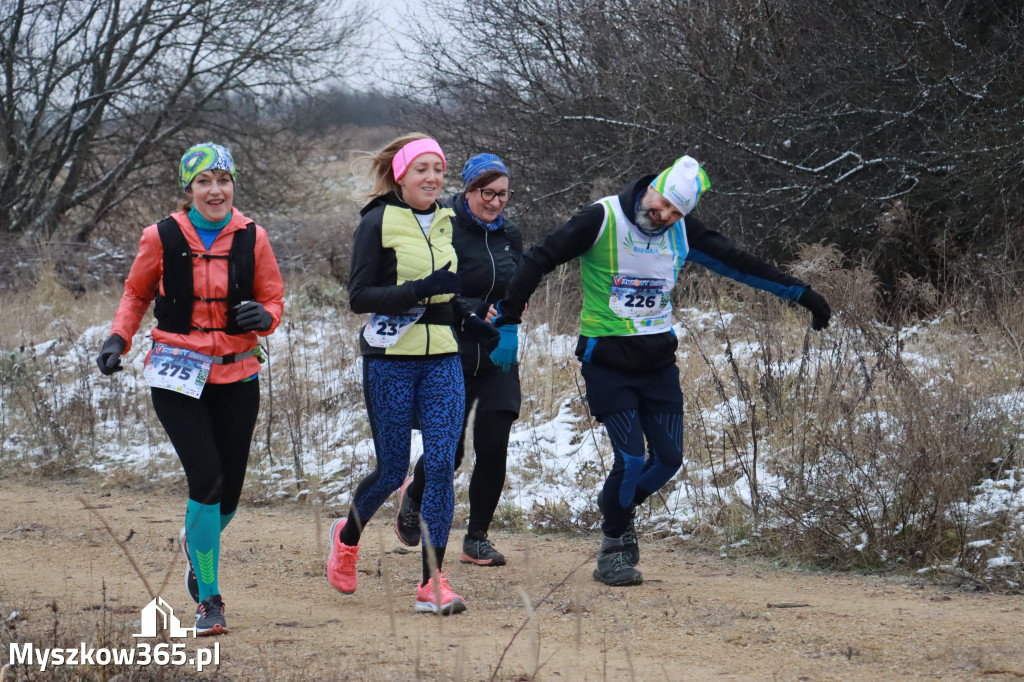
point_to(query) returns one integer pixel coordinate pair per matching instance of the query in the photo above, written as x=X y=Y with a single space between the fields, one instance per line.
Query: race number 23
x=387 y=328
x=384 y=331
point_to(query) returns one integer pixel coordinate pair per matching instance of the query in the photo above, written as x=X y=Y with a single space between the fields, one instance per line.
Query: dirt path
x=696 y=617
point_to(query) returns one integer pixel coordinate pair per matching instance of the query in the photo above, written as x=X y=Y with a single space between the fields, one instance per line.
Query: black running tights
x=212 y=435
x=490 y=441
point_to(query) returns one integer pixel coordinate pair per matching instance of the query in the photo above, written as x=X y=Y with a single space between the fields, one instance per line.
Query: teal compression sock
x=202 y=527
x=225 y=519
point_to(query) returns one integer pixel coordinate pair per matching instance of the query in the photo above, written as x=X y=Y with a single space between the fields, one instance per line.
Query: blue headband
x=480 y=164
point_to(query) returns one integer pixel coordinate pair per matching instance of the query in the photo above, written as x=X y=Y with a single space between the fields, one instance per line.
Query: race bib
x=640 y=299
x=384 y=331
x=177 y=369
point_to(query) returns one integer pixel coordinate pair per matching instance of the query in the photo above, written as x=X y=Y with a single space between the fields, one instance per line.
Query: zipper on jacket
x=430 y=250
x=209 y=304
x=494 y=267
x=494 y=280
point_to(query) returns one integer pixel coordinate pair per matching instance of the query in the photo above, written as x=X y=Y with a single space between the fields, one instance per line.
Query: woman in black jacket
x=489 y=247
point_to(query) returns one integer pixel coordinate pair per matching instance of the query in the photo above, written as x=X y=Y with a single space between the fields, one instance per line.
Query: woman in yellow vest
x=404 y=275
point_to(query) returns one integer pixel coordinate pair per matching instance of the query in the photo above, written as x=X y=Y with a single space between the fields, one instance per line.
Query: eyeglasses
x=487 y=194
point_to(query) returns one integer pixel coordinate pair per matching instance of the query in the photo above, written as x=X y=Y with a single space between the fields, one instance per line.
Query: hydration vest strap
x=230 y=358
x=234 y=357
x=173 y=310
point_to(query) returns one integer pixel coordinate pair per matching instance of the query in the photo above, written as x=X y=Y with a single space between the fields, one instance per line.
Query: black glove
x=816 y=303
x=504 y=315
x=251 y=316
x=109 y=359
x=442 y=281
x=482 y=332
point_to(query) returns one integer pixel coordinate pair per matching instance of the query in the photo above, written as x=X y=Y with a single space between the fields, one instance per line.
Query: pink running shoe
x=341 y=565
x=427 y=597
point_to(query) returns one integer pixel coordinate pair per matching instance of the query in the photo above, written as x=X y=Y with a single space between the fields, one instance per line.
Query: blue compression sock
x=202 y=526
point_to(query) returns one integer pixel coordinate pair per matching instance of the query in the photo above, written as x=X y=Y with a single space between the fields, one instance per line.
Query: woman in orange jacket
x=217 y=289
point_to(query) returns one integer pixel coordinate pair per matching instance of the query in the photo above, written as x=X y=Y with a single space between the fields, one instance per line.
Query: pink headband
x=407 y=154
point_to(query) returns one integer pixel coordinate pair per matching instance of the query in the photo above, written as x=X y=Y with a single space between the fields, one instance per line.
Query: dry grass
x=864 y=446
x=860 y=447
x=108 y=624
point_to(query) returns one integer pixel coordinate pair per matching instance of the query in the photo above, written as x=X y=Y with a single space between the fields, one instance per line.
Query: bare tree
x=98 y=93
x=895 y=130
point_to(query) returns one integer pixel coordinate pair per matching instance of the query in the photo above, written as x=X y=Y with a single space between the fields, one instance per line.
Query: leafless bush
x=894 y=132
x=101 y=99
x=864 y=445
x=872 y=453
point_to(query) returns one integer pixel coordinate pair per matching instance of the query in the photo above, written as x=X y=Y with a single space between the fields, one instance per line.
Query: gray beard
x=646 y=225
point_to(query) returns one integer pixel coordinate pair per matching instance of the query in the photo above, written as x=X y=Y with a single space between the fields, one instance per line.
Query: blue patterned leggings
x=394 y=390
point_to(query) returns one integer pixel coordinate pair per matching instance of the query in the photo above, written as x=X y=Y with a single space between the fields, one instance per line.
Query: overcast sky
x=395 y=22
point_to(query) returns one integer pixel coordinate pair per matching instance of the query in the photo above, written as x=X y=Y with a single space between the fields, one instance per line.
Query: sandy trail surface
x=542 y=616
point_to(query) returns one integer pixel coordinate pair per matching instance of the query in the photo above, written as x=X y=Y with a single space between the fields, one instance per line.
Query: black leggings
x=212 y=435
x=490 y=441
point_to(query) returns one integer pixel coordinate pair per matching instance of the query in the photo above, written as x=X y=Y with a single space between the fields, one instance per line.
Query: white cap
x=682 y=183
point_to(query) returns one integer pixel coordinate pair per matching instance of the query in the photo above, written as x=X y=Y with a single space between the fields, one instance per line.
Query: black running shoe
x=210 y=617
x=613 y=568
x=191 y=584
x=407 y=522
x=480 y=551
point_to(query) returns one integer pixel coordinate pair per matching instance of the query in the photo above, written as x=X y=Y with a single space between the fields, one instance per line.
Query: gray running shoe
x=210 y=617
x=480 y=552
x=407 y=523
x=614 y=568
x=191 y=584
x=629 y=542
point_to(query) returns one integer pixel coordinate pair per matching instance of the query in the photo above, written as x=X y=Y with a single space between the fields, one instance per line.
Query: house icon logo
x=158 y=615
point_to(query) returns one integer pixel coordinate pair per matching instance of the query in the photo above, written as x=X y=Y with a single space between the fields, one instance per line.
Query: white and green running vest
x=628 y=277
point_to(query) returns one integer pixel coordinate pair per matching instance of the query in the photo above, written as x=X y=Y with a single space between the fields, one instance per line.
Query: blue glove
x=504 y=318
x=507 y=352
